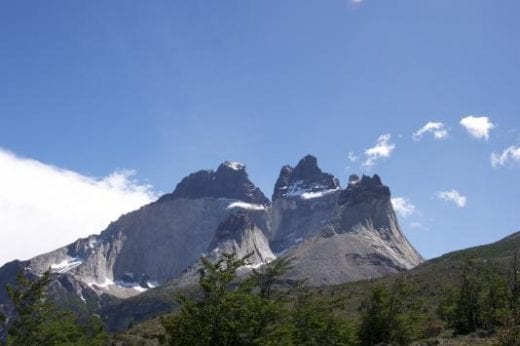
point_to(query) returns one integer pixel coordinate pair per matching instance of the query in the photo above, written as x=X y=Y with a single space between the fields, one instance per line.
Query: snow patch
x=92 y=243
x=254 y=265
x=234 y=165
x=244 y=205
x=103 y=285
x=311 y=195
x=66 y=265
x=120 y=284
x=298 y=190
x=130 y=285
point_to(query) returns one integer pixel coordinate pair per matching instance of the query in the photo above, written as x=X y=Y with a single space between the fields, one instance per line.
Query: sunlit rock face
x=149 y=246
x=361 y=240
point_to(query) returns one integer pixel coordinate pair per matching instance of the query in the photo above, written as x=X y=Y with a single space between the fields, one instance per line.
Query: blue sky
x=169 y=87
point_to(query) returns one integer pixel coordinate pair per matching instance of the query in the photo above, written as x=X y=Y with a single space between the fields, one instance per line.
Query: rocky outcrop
x=229 y=181
x=244 y=235
x=304 y=199
x=362 y=240
x=305 y=178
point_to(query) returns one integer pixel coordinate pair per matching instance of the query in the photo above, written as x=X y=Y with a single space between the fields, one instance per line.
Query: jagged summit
x=335 y=235
x=361 y=239
x=230 y=180
x=363 y=190
x=304 y=180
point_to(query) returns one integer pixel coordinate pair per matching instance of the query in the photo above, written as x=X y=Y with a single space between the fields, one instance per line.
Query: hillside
x=433 y=278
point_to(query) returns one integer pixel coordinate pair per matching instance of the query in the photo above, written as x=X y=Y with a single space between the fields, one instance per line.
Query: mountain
x=334 y=234
x=434 y=278
x=304 y=200
x=153 y=244
x=361 y=240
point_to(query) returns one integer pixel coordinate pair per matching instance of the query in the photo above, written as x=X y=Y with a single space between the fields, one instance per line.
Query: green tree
x=479 y=302
x=314 y=322
x=251 y=312
x=392 y=315
x=37 y=321
x=509 y=334
x=228 y=313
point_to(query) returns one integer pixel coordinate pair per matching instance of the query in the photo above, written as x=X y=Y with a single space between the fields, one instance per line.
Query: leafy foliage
x=392 y=315
x=39 y=322
x=250 y=312
x=478 y=303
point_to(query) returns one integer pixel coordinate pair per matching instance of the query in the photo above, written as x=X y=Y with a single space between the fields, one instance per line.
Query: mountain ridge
x=335 y=234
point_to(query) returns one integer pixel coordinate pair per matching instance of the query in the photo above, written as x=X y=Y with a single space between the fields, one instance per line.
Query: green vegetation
x=392 y=315
x=417 y=307
x=470 y=297
x=39 y=322
x=249 y=312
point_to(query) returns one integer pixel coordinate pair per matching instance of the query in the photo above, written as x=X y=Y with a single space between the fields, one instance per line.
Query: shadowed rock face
x=229 y=181
x=304 y=199
x=362 y=191
x=305 y=177
x=243 y=234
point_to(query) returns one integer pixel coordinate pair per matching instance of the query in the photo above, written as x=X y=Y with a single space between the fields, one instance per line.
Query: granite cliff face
x=361 y=240
x=304 y=199
x=158 y=242
x=335 y=234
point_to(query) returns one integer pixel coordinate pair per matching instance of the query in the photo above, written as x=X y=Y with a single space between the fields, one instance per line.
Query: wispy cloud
x=418 y=226
x=43 y=207
x=508 y=155
x=453 y=196
x=438 y=130
x=382 y=149
x=352 y=157
x=403 y=206
x=478 y=127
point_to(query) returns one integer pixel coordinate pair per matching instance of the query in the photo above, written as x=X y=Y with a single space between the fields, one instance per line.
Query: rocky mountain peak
x=306 y=177
x=231 y=166
x=353 y=179
x=230 y=180
x=307 y=168
x=363 y=190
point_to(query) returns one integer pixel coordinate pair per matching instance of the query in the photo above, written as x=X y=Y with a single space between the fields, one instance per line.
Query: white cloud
x=438 y=130
x=453 y=196
x=382 y=149
x=419 y=226
x=501 y=159
x=43 y=207
x=477 y=127
x=403 y=206
x=352 y=157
